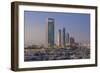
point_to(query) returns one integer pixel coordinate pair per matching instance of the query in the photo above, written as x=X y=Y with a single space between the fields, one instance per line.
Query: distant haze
x=76 y=24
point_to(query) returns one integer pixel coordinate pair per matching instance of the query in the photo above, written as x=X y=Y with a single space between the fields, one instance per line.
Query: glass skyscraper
x=64 y=42
x=51 y=32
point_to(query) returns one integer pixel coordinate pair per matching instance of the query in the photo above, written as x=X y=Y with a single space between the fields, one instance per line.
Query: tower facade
x=59 y=39
x=67 y=38
x=64 y=40
x=51 y=33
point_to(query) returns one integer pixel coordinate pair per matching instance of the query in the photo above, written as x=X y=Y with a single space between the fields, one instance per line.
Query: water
x=56 y=54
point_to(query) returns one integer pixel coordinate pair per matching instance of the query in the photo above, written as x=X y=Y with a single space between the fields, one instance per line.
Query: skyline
x=76 y=24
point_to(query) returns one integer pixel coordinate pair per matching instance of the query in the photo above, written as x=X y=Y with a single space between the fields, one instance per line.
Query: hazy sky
x=76 y=24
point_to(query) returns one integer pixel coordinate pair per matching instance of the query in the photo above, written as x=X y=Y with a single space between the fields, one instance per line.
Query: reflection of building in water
x=50 y=32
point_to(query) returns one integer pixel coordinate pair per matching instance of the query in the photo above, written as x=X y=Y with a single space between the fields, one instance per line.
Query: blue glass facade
x=51 y=32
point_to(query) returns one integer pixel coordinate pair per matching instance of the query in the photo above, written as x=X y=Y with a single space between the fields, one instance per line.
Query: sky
x=76 y=24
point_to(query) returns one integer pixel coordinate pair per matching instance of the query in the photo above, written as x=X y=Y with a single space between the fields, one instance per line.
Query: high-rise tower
x=64 y=40
x=59 y=38
x=67 y=38
x=51 y=32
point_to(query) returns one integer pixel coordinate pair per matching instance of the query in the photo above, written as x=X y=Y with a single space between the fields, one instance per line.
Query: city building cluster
x=65 y=48
x=63 y=38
